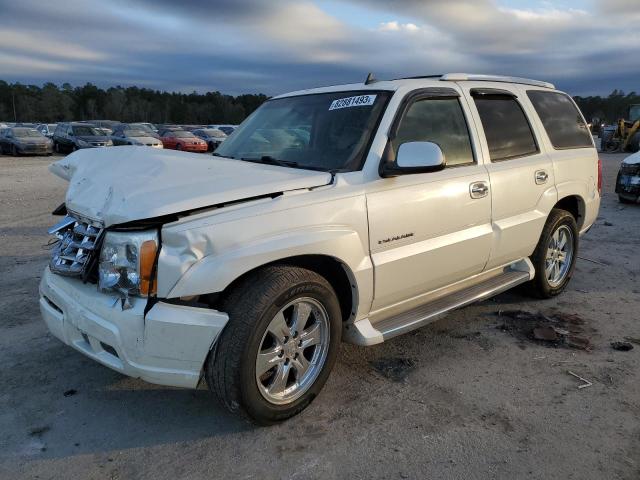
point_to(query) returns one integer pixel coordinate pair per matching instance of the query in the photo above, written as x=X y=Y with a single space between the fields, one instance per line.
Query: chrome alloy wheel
x=293 y=351
x=559 y=256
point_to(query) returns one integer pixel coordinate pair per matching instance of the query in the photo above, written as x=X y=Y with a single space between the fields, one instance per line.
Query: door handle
x=478 y=189
x=541 y=177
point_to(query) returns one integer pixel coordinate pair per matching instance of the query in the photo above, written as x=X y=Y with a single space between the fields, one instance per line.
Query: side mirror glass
x=415 y=157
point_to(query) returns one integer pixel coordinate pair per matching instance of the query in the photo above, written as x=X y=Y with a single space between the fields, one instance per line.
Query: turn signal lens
x=148 y=252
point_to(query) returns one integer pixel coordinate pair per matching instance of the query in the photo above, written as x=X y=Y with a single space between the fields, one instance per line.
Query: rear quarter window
x=561 y=119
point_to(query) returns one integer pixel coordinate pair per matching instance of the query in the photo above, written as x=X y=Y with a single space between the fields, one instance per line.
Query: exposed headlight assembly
x=126 y=264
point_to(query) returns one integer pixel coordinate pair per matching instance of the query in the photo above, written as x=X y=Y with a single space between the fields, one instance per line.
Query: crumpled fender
x=213 y=273
x=206 y=254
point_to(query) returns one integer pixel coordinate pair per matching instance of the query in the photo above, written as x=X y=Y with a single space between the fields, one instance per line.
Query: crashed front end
x=98 y=296
x=628 y=179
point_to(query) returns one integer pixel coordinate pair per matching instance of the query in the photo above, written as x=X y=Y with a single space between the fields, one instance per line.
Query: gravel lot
x=470 y=396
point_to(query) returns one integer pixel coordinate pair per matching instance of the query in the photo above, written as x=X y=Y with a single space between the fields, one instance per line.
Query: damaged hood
x=121 y=184
x=632 y=159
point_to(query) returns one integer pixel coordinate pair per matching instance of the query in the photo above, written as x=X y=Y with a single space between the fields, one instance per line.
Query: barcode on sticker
x=357 y=101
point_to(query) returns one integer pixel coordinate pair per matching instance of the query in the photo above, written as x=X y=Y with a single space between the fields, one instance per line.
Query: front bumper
x=35 y=149
x=628 y=184
x=168 y=346
x=195 y=148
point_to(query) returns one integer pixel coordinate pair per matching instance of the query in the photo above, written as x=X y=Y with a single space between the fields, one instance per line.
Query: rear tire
x=552 y=273
x=275 y=294
x=14 y=151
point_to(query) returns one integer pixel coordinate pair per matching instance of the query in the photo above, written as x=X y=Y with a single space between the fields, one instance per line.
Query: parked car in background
x=22 y=140
x=227 y=129
x=47 y=129
x=162 y=129
x=110 y=124
x=628 y=179
x=183 y=140
x=25 y=125
x=131 y=135
x=69 y=137
x=146 y=125
x=107 y=132
x=212 y=136
x=150 y=128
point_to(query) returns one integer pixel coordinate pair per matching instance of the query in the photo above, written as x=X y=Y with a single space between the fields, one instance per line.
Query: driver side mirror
x=414 y=157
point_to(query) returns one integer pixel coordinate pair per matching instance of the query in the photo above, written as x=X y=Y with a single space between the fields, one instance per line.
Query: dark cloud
x=255 y=46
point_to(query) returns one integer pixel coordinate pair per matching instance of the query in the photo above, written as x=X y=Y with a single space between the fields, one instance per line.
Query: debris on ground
x=621 y=346
x=554 y=330
x=608 y=224
x=38 y=431
x=396 y=368
x=70 y=392
x=586 y=383
x=633 y=340
x=593 y=261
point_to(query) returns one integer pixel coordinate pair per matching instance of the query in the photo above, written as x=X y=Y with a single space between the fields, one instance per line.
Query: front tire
x=279 y=346
x=555 y=255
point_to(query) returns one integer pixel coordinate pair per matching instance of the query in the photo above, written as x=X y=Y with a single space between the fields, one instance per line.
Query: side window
x=505 y=126
x=441 y=121
x=561 y=119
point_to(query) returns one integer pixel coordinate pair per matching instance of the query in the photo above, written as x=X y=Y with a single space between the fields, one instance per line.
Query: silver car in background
x=134 y=135
x=22 y=141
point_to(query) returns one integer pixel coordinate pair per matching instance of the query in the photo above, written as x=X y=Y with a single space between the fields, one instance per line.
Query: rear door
x=429 y=230
x=521 y=173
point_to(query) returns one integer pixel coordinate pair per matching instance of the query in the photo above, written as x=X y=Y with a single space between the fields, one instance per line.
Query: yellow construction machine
x=625 y=135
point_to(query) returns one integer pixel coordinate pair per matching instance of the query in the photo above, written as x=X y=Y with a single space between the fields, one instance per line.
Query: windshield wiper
x=268 y=159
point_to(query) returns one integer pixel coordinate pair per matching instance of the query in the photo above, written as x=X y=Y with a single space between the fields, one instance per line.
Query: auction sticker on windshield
x=357 y=101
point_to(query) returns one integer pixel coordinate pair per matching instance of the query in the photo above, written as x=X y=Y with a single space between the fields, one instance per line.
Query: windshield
x=26 y=132
x=181 y=134
x=136 y=133
x=327 y=131
x=85 y=131
x=142 y=126
x=212 y=132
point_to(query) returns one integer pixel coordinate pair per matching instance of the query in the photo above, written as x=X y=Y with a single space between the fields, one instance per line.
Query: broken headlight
x=126 y=263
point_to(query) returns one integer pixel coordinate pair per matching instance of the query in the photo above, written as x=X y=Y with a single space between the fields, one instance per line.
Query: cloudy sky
x=272 y=46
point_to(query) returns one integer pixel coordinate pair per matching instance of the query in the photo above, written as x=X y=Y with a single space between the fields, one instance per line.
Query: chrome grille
x=77 y=243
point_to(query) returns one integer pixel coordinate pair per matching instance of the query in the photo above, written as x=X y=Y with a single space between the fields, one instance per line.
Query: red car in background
x=182 y=140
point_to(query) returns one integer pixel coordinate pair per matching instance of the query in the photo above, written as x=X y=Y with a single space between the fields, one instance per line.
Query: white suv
x=348 y=213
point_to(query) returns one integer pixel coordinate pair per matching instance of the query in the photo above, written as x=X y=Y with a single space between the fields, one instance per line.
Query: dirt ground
x=471 y=396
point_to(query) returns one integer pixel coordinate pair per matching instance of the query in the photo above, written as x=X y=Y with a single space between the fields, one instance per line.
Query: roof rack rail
x=459 y=77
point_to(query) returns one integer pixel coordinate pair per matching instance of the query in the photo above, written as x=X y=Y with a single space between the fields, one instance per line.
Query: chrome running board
x=363 y=332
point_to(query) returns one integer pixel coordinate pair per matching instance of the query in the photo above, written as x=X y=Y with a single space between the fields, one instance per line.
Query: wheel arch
x=575 y=205
x=336 y=272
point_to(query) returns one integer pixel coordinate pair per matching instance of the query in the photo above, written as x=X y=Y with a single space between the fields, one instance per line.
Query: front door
x=429 y=230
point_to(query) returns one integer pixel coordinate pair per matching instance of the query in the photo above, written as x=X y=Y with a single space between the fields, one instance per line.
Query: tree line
x=53 y=103
x=607 y=109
